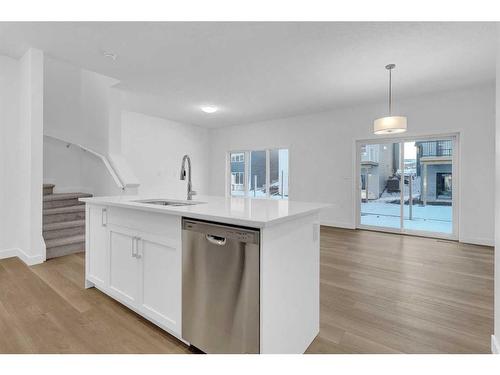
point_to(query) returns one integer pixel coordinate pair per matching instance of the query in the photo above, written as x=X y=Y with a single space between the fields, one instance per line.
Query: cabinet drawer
x=167 y=226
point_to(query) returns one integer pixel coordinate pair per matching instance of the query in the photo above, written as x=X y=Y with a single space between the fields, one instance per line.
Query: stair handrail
x=105 y=160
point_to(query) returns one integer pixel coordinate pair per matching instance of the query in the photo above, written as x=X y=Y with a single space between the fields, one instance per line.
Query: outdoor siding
x=432 y=171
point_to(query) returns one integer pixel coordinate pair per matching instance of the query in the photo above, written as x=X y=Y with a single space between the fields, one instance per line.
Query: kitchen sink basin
x=163 y=202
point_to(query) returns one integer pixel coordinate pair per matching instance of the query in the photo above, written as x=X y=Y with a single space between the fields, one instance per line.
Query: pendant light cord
x=390 y=92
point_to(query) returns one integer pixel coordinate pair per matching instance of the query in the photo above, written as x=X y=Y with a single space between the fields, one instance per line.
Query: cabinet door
x=161 y=280
x=124 y=265
x=97 y=245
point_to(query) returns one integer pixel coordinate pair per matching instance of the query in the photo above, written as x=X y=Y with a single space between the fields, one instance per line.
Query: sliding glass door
x=380 y=187
x=407 y=186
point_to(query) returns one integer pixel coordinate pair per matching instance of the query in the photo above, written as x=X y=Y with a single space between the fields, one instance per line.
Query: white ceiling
x=257 y=71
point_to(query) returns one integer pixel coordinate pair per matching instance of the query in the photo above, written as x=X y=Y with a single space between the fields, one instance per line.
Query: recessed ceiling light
x=209 y=108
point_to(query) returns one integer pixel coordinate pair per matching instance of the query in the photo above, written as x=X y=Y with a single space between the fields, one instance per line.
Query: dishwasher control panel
x=223 y=231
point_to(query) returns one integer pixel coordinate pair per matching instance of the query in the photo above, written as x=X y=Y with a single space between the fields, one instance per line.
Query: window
x=237 y=169
x=238 y=157
x=369 y=153
x=259 y=173
x=278 y=170
x=238 y=178
x=257 y=180
x=443 y=186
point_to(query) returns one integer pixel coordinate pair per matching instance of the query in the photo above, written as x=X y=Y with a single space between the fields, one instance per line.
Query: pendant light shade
x=390 y=124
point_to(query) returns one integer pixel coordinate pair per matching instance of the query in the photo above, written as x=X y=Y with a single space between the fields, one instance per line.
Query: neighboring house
x=238 y=172
x=278 y=173
x=377 y=165
x=257 y=171
x=434 y=165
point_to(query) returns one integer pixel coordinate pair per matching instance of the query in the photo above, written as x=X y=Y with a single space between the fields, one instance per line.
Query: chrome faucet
x=190 y=191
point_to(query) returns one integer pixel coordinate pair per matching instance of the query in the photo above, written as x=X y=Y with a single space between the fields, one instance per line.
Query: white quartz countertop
x=252 y=212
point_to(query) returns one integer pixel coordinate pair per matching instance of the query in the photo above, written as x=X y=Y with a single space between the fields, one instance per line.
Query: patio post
x=424 y=199
x=254 y=185
x=410 y=198
x=366 y=185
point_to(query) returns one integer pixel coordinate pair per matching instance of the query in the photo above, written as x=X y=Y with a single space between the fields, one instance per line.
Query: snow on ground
x=386 y=196
x=426 y=218
x=256 y=194
x=378 y=213
x=251 y=193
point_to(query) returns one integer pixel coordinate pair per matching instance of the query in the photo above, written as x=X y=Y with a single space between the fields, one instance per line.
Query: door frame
x=455 y=138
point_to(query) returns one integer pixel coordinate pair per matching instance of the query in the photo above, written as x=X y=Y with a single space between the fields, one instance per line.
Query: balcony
x=435 y=149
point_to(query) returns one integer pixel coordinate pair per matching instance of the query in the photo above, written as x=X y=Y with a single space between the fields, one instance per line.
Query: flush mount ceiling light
x=209 y=108
x=390 y=124
x=109 y=55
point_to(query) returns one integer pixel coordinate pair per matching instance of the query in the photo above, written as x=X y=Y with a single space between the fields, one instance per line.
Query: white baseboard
x=337 y=224
x=73 y=189
x=469 y=240
x=495 y=347
x=30 y=260
x=477 y=241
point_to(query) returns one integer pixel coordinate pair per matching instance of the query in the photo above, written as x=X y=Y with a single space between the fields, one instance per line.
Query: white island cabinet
x=134 y=255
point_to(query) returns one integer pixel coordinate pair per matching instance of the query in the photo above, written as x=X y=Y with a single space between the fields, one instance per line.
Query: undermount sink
x=163 y=202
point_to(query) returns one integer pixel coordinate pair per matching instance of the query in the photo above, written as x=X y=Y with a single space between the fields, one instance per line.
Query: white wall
x=496 y=342
x=9 y=151
x=322 y=152
x=31 y=121
x=21 y=117
x=154 y=148
x=76 y=109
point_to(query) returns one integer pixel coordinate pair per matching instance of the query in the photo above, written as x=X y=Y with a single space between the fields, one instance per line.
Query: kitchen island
x=134 y=253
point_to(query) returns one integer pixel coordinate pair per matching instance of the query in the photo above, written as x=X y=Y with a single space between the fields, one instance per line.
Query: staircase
x=63 y=222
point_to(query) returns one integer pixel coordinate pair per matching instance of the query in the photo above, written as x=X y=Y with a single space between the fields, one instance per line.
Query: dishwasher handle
x=216 y=240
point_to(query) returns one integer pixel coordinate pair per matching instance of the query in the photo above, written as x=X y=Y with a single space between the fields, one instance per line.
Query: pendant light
x=390 y=124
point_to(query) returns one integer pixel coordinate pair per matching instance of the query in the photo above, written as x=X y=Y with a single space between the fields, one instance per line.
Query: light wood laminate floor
x=380 y=293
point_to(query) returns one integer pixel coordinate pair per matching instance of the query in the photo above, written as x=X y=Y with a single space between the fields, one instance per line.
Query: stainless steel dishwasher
x=220 y=287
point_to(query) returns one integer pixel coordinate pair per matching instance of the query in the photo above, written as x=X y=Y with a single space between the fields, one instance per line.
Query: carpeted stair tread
x=56 y=242
x=63 y=225
x=65 y=196
x=64 y=210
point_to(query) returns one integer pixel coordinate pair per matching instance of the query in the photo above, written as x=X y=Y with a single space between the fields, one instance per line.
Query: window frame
x=247 y=161
x=455 y=138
